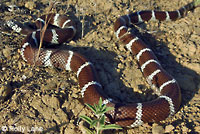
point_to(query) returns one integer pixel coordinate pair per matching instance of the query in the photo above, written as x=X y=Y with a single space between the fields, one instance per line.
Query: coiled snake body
x=166 y=105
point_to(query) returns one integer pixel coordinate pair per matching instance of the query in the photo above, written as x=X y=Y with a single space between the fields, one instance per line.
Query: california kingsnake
x=166 y=105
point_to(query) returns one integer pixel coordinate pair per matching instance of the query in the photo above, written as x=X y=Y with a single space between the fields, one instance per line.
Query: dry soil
x=48 y=100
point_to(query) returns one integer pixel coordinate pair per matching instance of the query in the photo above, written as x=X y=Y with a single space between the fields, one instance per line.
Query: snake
x=64 y=29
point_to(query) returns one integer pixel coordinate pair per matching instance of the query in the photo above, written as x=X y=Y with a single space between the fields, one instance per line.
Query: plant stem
x=98 y=130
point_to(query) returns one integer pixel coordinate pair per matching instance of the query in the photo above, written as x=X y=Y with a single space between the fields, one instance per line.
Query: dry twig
x=44 y=28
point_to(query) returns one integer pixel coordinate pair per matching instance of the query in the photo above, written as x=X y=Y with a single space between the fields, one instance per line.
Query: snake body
x=132 y=115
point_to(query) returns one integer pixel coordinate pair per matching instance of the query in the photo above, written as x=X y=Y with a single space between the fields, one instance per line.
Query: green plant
x=98 y=124
x=196 y=3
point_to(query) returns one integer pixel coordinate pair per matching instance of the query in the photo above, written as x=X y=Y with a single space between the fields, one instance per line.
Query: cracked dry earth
x=48 y=100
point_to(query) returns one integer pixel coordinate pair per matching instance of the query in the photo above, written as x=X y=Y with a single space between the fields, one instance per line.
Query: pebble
x=197 y=30
x=51 y=101
x=157 y=129
x=7 y=52
x=82 y=127
x=191 y=48
x=185 y=129
x=5 y=90
x=52 y=84
x=169 y=128
x=197 y=129
x=69 y=129
x=30 y=5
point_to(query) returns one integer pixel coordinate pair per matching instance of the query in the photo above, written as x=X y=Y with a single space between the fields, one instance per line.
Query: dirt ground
x=48 y=100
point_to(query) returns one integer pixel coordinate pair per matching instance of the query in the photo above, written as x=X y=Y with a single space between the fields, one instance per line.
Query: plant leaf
x=108 y=109
x=100 y=102
x=110 y=126
x=94 y=123
x=102 y=120
x=103 y=107
x=91 y=107
x=86 y=118
x=88 y=131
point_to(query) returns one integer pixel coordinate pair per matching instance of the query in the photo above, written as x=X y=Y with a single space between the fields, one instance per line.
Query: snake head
x=3 y=26
x=14 y=26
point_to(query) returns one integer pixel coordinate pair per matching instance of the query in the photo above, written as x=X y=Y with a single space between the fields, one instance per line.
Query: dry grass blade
x=44 y=28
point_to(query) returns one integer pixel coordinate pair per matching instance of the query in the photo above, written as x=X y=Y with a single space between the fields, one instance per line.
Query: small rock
x=191 y=48
x=82 y=128
x=70 y=129
x=5 y=90
x=7 y=52
x=185 y=129
x=51 y=101
x=197 y=129
x=30 y=5
x=52 y=84
x=169 y=128
x=60 y=116
x=157 y=129
x=197 y=30
x=45 y=1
